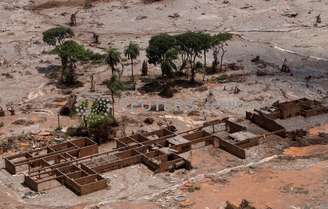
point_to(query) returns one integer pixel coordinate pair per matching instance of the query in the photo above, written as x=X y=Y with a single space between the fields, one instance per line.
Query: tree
x=161 y=50
x=55 y=36
x=144 y=68
x=190 y=43
x=181 y=53
x=113 y=58
x=168 y=65
x=115 y=87
x=132 y=51
x=70 y=52
x=206 y=43
x=218 y=45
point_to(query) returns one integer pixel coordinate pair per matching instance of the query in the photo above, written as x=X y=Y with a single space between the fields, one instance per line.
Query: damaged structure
x=78 y=165
x=271 y=118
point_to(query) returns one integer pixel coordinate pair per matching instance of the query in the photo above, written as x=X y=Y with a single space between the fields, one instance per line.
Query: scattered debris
x=87 y=4
x=156 y=107
x=247 y=6
x=289 y=13
x=317 y=20
x=144 y=69
x=256 y=59
x=69 y=107
x=236 y=90
x=7 y=75
x=175 y=15
x=141 y=17
x=194 y=113
x=167 y=92
x=2 y=112
x=186 y=203
x=32 y=194
x=243 y=205
x=225 y=78
x=95 y=38
x=285 y=68
x=210 y=100
x=153 y=86
x=307 y=80
x=73 y=19
x=11 y=109
x=23 y=122
x=290 y=188
x=149 y=121
x=263 y=73
x=190 y=187
x=92 y=84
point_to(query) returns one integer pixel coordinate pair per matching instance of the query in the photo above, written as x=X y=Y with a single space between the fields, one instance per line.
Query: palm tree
x=113 y=58
x=132 y=51
x=115 y=87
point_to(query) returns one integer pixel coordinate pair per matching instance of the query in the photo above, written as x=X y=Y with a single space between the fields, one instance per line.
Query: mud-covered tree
x=161 y=51
x=70 y=52
x=132 y=51
x=115 y=86
x=190 y=43
x=56 y=36
x=218 y=47
x=113 y=58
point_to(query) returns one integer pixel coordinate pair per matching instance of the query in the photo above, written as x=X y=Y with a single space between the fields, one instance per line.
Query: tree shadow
x=52 y=72
x=155 y=85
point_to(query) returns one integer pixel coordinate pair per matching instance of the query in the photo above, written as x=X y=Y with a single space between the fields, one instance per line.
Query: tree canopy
x=162 y=50
x=115 y=87
x=158 y=47
x=56 y=35
x=132 y=51
x=113 y=58
x=221 y=38
x=191 y=44
x=70 y=52
x=73 y=51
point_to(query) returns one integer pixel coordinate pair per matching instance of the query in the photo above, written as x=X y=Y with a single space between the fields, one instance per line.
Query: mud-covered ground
x=260 y=27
